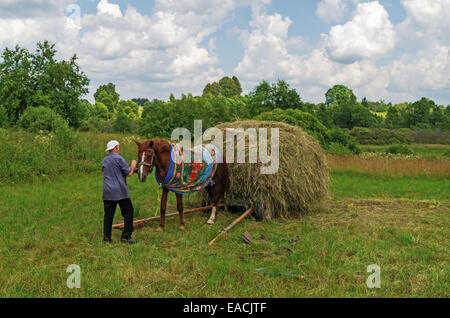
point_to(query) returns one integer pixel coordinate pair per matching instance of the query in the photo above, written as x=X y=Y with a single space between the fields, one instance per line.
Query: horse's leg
x=180 y=211
x=163 y=207
x=217 y=191
x=212 y=218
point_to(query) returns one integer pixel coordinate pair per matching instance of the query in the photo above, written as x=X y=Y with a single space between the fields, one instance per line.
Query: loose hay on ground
x=301 y=182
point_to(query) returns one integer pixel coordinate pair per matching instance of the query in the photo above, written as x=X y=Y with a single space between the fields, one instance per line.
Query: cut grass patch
x=46 y=227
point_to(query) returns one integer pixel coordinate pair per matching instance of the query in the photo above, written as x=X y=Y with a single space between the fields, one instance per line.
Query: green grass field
x=401 y=224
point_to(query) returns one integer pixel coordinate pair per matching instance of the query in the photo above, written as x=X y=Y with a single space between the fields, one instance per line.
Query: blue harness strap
x=186 y=177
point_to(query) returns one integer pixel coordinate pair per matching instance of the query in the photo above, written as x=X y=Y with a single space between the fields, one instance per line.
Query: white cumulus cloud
x=369 y=35
x=332 y=11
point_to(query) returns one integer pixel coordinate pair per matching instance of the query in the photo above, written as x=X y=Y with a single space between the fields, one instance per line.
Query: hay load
x=299 y=185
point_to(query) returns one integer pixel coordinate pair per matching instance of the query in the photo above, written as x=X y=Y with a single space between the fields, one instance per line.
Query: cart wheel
x=258 y=211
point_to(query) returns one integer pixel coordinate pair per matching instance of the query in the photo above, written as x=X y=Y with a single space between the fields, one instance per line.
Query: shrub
x=379 y=136
x=399 y=150
x=338 y=149
x=3 y=117
x=312 y=126
x=122 y=123
x=298 y=118
x=35 y=119
x=430 y=136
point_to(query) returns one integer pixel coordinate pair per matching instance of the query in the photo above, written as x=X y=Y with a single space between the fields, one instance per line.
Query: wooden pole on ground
x=229 y=227
x=143 y=221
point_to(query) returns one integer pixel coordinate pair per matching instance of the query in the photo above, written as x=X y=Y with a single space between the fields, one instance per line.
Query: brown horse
x=156 y=153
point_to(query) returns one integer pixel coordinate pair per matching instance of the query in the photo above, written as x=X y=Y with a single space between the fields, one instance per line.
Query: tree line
x=37 y=92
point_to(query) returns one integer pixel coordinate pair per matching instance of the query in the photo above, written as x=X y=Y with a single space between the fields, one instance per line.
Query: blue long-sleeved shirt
x=115 y=171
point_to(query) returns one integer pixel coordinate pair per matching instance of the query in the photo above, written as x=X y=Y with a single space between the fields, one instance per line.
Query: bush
x=379 y=136
x=336 y=148
x=339 y=136
x=3 y=117
x=122 y=123
x=399 y=150
x=313 y=127
x=430 y=136
x=35 y=119
x=298 y=118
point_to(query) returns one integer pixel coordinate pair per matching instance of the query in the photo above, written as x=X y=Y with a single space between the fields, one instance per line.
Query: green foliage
x=35 y=119
x=379 y=107
x=107 y=95
x=140 y=101
x=430 y=136
x=3 y=117
x=379 y=136
x=123 y=123
x=266 y=97
x=340 y=95
x=341 y=137
x=313 y=126
x=400 y=149
x=298 y=118
x=130 y=108
x=227 y=87
x=38 y=79
x=100 y=111
x=160 y=118
x=336 y=148
x=230 y=87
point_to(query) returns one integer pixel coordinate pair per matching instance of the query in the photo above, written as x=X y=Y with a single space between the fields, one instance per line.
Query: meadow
x=379 y=211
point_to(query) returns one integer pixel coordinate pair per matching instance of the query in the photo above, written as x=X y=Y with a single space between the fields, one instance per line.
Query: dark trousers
x=126 y=207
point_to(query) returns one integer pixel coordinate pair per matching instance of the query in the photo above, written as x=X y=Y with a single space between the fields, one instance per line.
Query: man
x=115 y=191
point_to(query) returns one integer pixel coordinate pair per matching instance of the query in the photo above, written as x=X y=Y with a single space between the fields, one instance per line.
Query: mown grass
x=47 y=226
x=367 y=185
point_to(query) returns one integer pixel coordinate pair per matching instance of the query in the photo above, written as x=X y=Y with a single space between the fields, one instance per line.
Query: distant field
x=391 y=167
x=420 y=150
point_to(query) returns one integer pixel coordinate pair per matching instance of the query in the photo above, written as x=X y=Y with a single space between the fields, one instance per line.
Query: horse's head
x=146 y=158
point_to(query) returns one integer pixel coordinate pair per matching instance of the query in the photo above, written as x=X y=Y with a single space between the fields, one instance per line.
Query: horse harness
x=145 y=163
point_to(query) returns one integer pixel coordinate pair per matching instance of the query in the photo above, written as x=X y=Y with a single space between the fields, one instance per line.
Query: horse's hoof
x=209 y=222
x=160 y=229
x=181 y=228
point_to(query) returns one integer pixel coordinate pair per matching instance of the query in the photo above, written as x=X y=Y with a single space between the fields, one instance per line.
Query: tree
x=418 y=113
x=38 y=79
x=130 y=108
x=340 y=95
x=39 y=118
x=230 y=87
x=100 y=111
x=266 y=97
x=227 y=87
x=122 y=123
x=393 y=118
x=107 y=95
x=213 y=89
x=237 y=85
x=140 y=101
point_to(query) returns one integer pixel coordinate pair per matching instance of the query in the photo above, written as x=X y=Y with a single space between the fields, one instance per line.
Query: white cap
x=111 y=145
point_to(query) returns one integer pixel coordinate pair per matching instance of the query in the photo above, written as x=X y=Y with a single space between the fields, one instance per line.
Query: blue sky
x=391 y=50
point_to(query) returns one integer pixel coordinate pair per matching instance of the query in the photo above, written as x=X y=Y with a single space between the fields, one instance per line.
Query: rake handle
x=229 y=227
x=121 y=225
